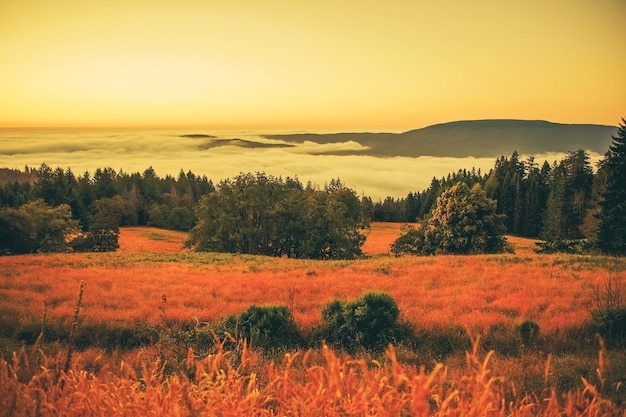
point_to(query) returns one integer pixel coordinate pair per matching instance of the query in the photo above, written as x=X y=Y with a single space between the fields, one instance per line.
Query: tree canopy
x=36 y=227
x=463 y=221
x=264 y=215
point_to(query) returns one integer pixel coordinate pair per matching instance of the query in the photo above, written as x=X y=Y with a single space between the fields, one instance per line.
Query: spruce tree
x=612 y=231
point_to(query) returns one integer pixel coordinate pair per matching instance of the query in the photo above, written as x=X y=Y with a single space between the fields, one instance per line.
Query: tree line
x=564 y=203
x=52 y=210
x=560 y=203
x=89 y=209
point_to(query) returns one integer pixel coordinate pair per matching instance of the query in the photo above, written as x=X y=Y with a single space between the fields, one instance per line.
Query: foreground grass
x=439 y=297
x=304 y=384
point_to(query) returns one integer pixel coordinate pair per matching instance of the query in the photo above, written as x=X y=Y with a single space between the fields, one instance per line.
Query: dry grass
x=142 y=239
x=380 y=237
x=474 y=292
x=310 y=384
x=469 y=291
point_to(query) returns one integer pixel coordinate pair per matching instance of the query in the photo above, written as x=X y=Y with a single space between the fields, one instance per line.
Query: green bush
x=573 y=246
x=106 y=240
x=96 y=241
x=528 y=331
x=267 y=327
x=370 y=322
x=463 y=221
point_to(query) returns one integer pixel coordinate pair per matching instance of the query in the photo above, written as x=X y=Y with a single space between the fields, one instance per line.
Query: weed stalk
x=73 y=329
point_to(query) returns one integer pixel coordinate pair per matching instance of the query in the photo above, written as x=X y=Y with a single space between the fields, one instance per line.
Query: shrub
x=412 y=240
x=266 y=327
x=370 y=322
x=528 y=331
x=575 y=246
x=106 y=240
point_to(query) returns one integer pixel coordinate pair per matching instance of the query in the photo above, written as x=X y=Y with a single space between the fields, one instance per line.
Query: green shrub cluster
x=463 y=221
x=572 y=246
x=370 y=322
x=267 y=327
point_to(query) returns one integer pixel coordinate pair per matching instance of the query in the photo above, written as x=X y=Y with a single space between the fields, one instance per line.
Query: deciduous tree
x=36 y=227
x=463 y=221
x=263 y=215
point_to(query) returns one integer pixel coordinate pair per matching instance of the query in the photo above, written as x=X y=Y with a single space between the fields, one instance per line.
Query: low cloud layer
x=168 y=152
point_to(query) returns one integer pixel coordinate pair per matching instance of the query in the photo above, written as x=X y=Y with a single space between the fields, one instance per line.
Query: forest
x=558 y=202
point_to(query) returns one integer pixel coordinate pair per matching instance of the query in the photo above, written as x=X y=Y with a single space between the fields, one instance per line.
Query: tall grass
x=540 y=374
x=313 y=383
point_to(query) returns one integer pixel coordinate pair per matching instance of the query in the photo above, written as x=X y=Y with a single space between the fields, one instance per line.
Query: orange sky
x=312 y=65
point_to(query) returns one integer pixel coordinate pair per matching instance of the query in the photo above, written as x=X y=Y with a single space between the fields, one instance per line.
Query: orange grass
x=143 y=239
x=380 y=237
x=470 y=291
x=309 y=384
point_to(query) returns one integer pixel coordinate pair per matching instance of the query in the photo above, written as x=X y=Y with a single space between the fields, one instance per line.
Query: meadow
x=556 y=291
x=447 y=300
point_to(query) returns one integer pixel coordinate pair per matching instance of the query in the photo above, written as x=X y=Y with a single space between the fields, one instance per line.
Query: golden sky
x=311 y=65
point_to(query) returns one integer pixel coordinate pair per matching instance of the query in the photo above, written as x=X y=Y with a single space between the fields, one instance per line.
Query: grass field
x=485 y=294
x=480 y=291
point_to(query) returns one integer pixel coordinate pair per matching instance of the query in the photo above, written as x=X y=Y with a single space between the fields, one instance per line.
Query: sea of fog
x=169 y=151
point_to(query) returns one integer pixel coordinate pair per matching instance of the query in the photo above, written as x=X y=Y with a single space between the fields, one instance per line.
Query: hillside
x=477 y=138
x=8 y=176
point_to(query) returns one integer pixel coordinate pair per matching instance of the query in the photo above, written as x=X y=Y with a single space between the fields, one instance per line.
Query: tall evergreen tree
x=555 y=218
x=612 y=230
x=506 y=185
x=580 y=182
x=569 y=199
x=536 y=197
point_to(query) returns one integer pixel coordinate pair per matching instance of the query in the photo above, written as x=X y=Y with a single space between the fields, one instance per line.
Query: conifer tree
x=612 y=230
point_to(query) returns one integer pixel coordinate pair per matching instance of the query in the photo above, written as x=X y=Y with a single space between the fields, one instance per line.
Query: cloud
x=167 y=152
x=314 y=148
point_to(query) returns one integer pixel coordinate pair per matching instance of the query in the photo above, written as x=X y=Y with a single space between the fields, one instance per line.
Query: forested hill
x=478 y=138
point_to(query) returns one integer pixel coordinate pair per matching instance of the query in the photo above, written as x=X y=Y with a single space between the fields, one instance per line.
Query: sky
x=309 y=65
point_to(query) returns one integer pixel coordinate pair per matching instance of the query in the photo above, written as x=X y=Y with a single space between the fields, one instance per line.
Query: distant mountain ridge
x=477 y=138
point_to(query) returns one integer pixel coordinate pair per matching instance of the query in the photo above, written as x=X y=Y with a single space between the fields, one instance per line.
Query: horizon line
x=272 y=128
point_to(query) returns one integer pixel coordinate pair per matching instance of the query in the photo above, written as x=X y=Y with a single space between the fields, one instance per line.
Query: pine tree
x=569 y=198
x=612 y=231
